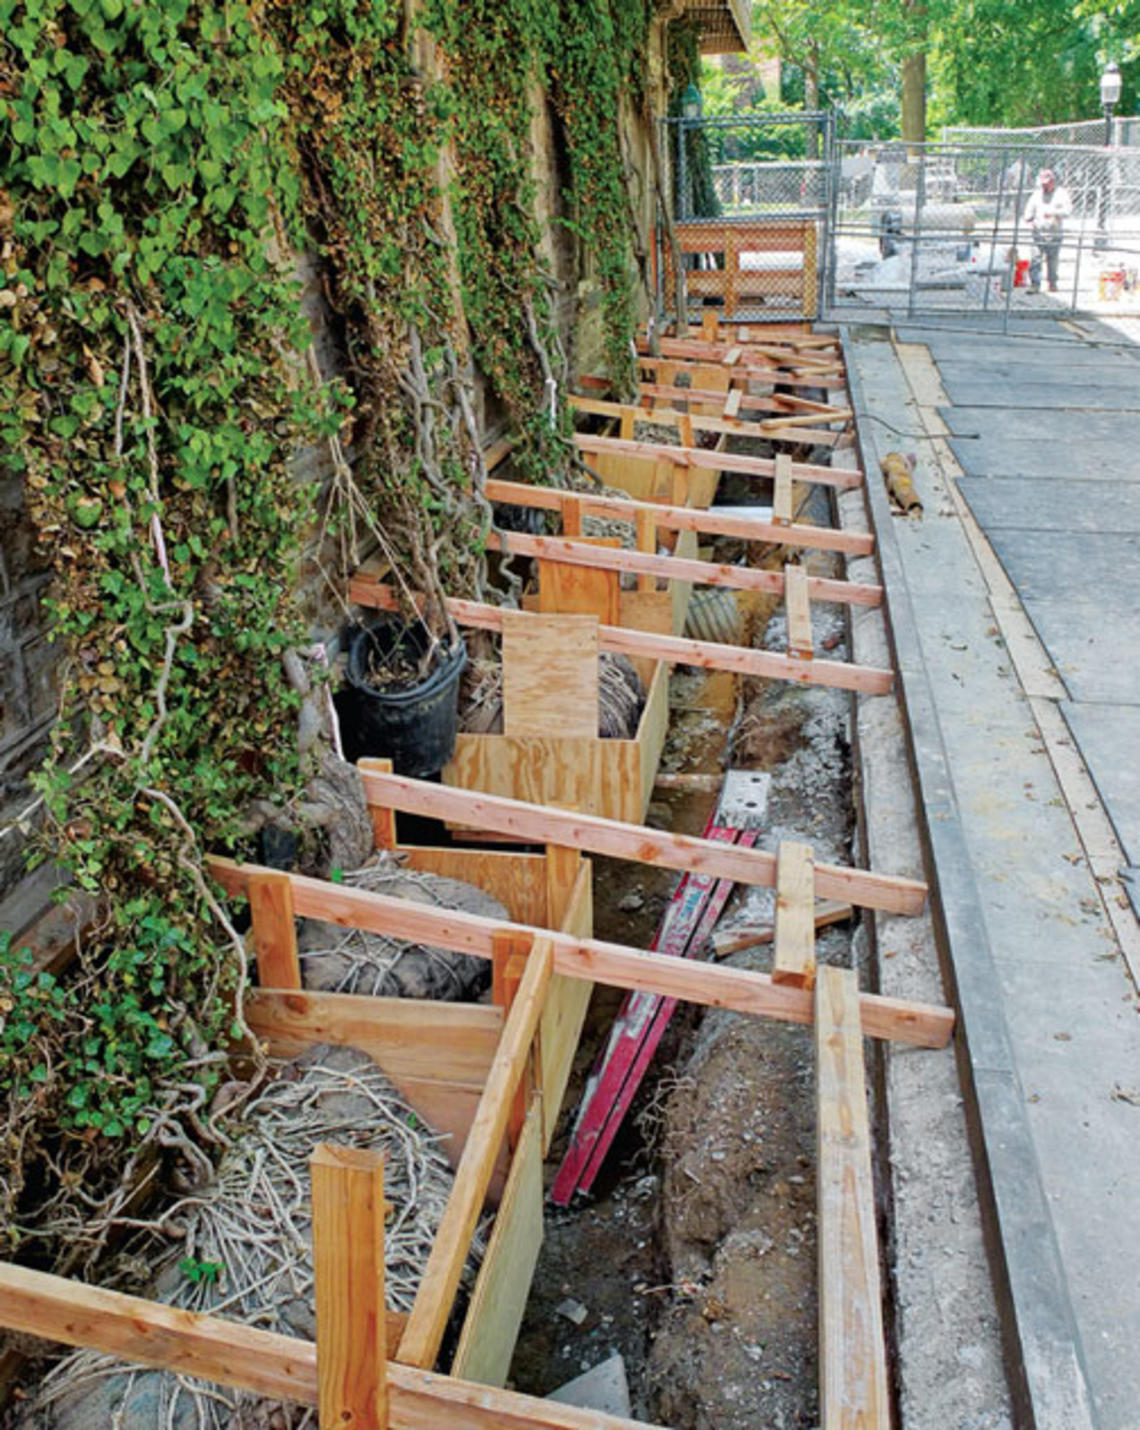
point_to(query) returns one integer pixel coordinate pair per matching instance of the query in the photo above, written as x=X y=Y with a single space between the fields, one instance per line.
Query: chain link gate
x=748 y=199
x=951 y=228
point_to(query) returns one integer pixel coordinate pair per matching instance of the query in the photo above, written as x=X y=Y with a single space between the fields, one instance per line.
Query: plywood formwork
x=400 y=1387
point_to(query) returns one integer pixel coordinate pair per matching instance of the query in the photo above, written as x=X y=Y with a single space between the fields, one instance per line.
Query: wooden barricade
x=735 y=284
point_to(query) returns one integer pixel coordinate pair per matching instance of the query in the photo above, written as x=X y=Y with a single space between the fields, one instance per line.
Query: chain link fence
x=749 y=200
x=967 y=227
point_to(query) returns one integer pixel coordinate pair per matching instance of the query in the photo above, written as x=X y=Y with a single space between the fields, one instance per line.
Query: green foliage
x=148 y=401
x=588 y=71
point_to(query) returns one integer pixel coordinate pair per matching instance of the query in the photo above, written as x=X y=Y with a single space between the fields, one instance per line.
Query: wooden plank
x=348 y=1272
x=619 y=840
x=274 y=933
x=645 y=523
x=716 y=400
x=383 y=820
x=517 y=880
x=406 y=1037
x=732 y=402
x=718 y=460
x=852 y=1350
x=558 y=549
x=782 y=513
x=827 y=911
x=550 y=672
x=676 y=650
x=576 y=590
x=498 y=1302
x=508 y=962
x=690 y=356
x=672 y=518
x=922 y=1025
x=595 y=775
x=736 y=427
x=652 y=732
x=428 y=1319
x=261 y=1362
x=571 y=515
x=794 y=960
x=797 y=606
x=566 y=1006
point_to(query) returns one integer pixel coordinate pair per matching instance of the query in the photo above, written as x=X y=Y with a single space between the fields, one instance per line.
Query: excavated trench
x=694 y=1257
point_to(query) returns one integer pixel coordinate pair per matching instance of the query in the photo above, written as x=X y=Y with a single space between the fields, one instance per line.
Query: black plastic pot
x=414 y=726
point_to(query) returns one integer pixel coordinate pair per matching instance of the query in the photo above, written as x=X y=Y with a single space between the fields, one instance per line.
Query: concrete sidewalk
x=1041 y=440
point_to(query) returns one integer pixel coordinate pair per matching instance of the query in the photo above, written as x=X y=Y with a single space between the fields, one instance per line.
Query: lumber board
x=652 y=732
x=718 y=460
x=852 y=1350
x=262 y=1362
x=730 y=404
x=550 y=663
x=274 y=933
x=699 y=519
x=827 y=911
x=676 y=650
x=794 y=960
x=782 y=499
x=920 y=1024
x=406 y=1037
x=566 y=1006
x=560 y=549
x=640 y=475
x=427 y=1321
x=383 y=820
x=600 y=776
x=498 y=1302
x=348 y=1272
x=780 y=431
x=618 y=840
x=797 y=606
x=583 y=590
x=517 y=880
x=685 y=359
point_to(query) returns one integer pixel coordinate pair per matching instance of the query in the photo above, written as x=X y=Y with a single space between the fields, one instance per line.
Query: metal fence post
x=1023 y=165
x=916 y=237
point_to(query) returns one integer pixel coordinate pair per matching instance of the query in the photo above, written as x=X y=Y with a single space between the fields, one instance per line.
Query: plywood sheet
x=550 y=672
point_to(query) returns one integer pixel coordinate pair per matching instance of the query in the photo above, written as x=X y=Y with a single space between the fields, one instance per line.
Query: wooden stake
x=797 y=606
x=440 y=1281
x=348 y=1262
x=274 y=933
x=383 y=820
x=782 y=496
x=795 y=926
x=852 y=1349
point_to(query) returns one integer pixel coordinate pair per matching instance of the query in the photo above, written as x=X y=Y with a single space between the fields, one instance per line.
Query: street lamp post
x=1110 y=87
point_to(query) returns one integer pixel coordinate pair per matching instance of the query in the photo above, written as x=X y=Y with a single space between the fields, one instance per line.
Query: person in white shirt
x=1048 y=207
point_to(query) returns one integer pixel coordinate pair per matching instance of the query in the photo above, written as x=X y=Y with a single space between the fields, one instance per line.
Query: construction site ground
x=1013 y=611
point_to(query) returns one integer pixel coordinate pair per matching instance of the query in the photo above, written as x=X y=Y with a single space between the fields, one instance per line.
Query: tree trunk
x=914 y=98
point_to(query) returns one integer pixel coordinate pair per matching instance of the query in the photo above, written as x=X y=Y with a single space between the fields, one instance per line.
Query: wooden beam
x=828 y=911
x=440 y=1281
x=675 y=650
x=542 y=825
x=274 y=935
x=578 y=957
x=737 y=427
x=673 y=568
x=852 y=1349
x=383 y=820
x=717 y=460
x=409 y=1037
x=797 y=606
x=736 y=401
x=782 y=502
x=681 y=518
x=262 y=1362
x=348 y=1267
x=795 y=923
x=922 y=1025
x=771 y=372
